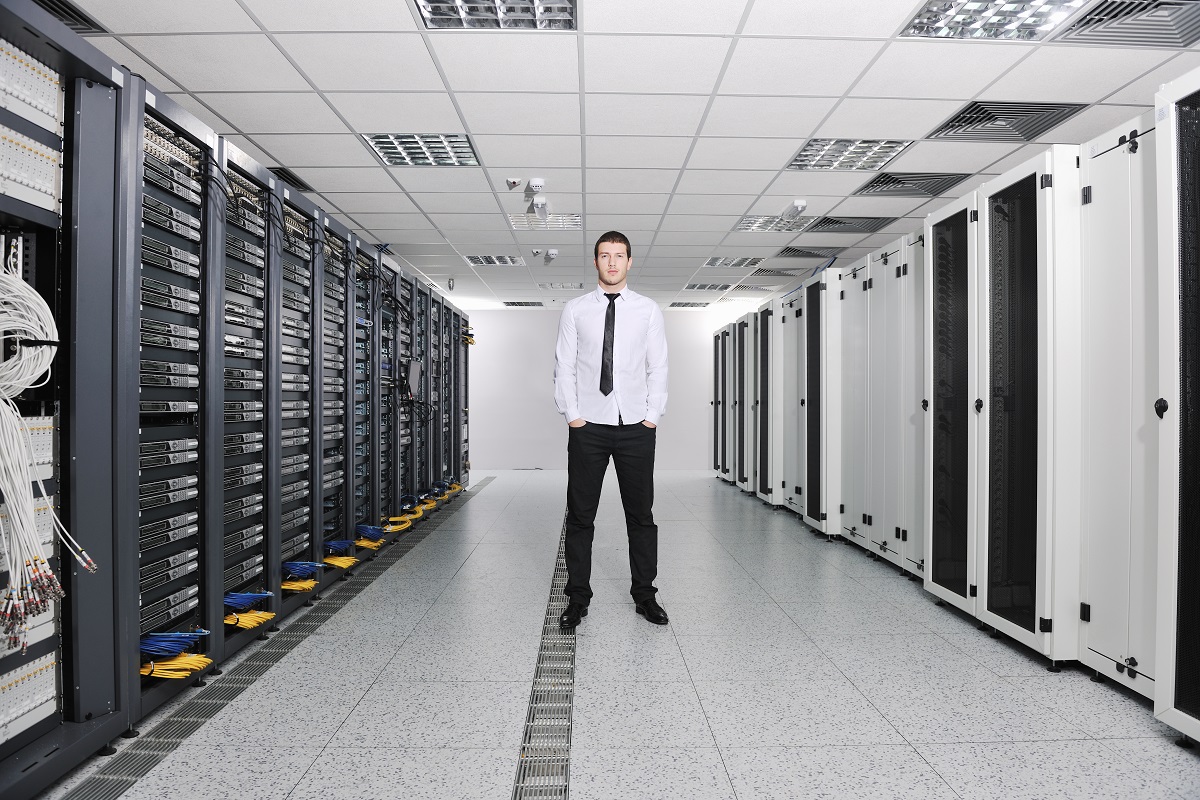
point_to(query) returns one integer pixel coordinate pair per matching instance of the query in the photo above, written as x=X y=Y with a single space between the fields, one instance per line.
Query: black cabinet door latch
x=1160 y=407
x=978 y=406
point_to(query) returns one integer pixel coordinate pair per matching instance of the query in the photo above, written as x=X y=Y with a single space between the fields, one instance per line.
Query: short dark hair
x=613 y=237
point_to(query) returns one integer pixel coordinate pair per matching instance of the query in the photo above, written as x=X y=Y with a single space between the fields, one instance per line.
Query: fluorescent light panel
x=523 y=303
x=551 y=287
x=775 y=224
x=495 y=261
x=492 y=14
x=870 y=154
x=424 y=149
x=1030 y=20
x=707 y=287
x=733 y=263
x=529 y=222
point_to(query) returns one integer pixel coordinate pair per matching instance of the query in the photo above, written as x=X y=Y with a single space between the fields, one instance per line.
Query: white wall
x=514 y=423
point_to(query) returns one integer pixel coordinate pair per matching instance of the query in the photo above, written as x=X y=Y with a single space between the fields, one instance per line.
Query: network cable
x=169 y=644
x=241 y=601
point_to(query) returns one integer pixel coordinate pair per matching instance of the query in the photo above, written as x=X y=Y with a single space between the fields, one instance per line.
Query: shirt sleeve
x=656 y=366
x=566 y=390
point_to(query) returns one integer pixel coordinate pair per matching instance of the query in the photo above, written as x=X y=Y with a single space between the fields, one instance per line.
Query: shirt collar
x=600 y=293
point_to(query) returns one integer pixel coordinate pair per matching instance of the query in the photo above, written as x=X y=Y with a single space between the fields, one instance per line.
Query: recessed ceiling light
x=1030 y=20
x=526 y=14
x=424 y=149
x=707 y=287
x=522 y=303
x=911 y=184
x=1005 y=122
x=1137 y=23
x=559 y=286
x=774 y=224
x=733 y=263
x=809 y=252
x=529 y=222
x=847 y=153
x=688 y=305
x=495 y=261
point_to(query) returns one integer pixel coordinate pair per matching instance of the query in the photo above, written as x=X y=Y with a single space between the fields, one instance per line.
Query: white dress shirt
x=639 y=360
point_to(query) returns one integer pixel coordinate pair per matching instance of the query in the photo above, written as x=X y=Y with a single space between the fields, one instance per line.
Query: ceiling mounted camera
x=513 y=182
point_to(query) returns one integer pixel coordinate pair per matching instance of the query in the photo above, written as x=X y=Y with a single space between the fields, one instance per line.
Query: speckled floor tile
x=613 y=621
x=601 y=660
x=723 y=618
x=266 y=772
x=875 y=772
x=265 y=714
x=466 y=620
x=624 y=714
x=496 y=591
x=659 y=773
x=865 y=615
x=711 y=590
x=1159 y=757
x=1056 y=770
x=920 y=658
x=438 y=658
x=466 y=714
x=420 y=774
x=794 y=713
x=1100 y=710
x=737 y=658
x=1003 y=656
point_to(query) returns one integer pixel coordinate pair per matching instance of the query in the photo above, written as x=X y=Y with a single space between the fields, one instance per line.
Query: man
x=610 y=382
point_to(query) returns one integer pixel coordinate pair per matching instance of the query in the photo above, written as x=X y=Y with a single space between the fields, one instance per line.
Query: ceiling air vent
x=809 y=252
x=1137 y=23
x=495 y=261
x=733 y=263
x=1030 y=20
x=291 y=179
x=552 y=222
x=689 y=305
x=911 y=184
x=850 y=224
x=544 y=15
x=759 y=289
x=70 y=15
x=707 y=287
x=558 y=287
x=776 y=273
x=423 y=149
x=523 y=303
x=1005 y=122
x=776 y=224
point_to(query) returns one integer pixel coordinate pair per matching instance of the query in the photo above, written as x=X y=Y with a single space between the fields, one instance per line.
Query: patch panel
x=28 y=695
x=42 y=433
x=29 y=170
x=30 y=89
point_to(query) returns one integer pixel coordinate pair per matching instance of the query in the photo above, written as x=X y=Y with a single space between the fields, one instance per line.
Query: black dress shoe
x=652 y=611
x=572 y=616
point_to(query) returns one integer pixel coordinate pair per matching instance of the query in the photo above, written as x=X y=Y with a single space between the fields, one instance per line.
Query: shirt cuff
x=572 y=414
x=653 y=417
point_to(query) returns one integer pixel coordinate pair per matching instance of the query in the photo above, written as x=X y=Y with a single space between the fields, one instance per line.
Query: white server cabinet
x=821 y=403
x=718 y=403
x=1028 y=398
x=951 y=269
x=1177 y=128
x=728 y=398
x=793 y=430
x=1121 y=431
x=748 y=401
x=851 y=289
x=911 y=412
x=770 y=404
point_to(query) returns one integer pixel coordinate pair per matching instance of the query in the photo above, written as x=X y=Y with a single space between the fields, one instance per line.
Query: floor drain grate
x=544 y=768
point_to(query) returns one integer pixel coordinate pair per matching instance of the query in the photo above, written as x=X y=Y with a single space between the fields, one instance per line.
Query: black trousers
x=631 y=448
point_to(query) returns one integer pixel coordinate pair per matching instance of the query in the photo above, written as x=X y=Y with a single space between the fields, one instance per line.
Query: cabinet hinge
x=1046 y=181
x=843 y=297
x=824 y=515
x=903 y=535
x=865 y=285
x=1045 y=625
x=897 y=533
x=1085 y=612
x=870 y=520
x=842 y=508
x=973 y=591
x=870 y=283
x=799 y=312
x=973 y=216
x=1087 y=195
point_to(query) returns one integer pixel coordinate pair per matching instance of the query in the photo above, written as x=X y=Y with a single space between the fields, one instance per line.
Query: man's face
x=612 y=263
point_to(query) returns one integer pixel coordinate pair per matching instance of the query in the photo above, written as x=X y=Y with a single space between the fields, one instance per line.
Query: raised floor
x=792 y=668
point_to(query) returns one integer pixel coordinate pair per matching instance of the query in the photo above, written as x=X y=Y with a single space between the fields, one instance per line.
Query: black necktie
x=610 y=319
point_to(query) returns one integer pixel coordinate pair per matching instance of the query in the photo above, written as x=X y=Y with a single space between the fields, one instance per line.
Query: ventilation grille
x=1005 y=122
x=847 y=153
x=911 y=184
x=555 y=15
x=385 y=249
x=688 y=305
x=707 y=287
x=553 y=222
x=423 y=149
x=774 y=224
x=733 y=263
x=776 y=273
x=809 y=252
x=69 y=15
x=759 y=289
x=1138 y=23
x=850 y=224
x=291 y=179
x=523 y=303
x=495 y=261
x=1030 y=20
x=553 y=287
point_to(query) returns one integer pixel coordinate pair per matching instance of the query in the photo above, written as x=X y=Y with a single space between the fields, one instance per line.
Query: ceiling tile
x=950 y=156
x=729 y=204
x=699 y=222
x=485 y=61
x=643 y=115
x=550 y=151
x=669 y=64
x=548 y=238
x=689 y=237
x=392 y=202
x=935 y=69
x=795 y=117
x=1013 y=159
x=813 y=66
x=653 y=181
x=321 y=15
x=1092 y=71
x=121 y=54
x=456 y=203
x=481 y=249
x=827 y=240
x=557 y=180
x=622 y=222
x=743 y=154
x=379 y=221
x=877 y=240
x=655 y=152
x=352 y=179
x=663 y=16
x=410 y=238
x=442 y=179
x=627 y=203
x=481 y=237
x=448 y=223
x=710 y=181
x=1090 y=123
x=560 y=202
x=251 y=149
x=543 y=114
x=213 y=62
x=862 y=18
x=755 y=248
x=805 y=183
x=1142 y=90
x=317 y=149
x=858 y=118
x=776 y=203
x=877 y=206
x=199 y=16
x=202 y=113
x=397 y=112
x=262 y=112
x=680 y=251
x=742 y=239
x=424 y=248
x=365 y=61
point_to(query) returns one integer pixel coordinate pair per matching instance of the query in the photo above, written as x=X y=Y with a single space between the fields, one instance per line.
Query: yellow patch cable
x=372 y=544
x=249 y=619
x=183 y=665
x=298 y=585
x=341 y=562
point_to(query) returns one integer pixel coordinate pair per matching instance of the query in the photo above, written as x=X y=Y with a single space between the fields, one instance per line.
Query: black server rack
x=388 y=451
x=718 y=374
x=813 y=394
x=337 y=322
x=422 y=353
x=464 y=404
x=405 y=413
x=764 y=402
x=365 y=509
x=437 y=372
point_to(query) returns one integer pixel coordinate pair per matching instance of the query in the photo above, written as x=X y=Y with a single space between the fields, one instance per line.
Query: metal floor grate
x=544 y=767
x=122 y=771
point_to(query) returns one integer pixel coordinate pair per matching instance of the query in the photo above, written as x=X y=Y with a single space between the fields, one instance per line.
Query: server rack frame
x=747 y=332
x=792 y=360
x=823 y=416
x=854 y=499
x=770 y=397
x=913 y=412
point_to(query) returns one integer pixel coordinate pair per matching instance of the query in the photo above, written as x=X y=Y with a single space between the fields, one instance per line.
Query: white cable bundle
x=26 y=327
